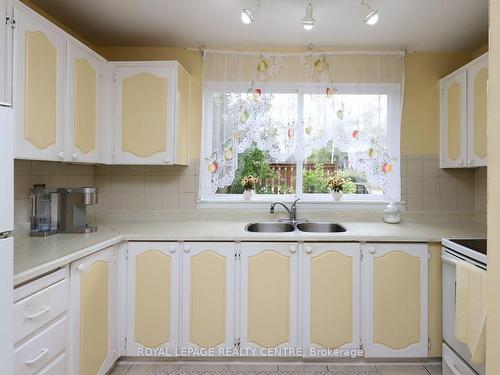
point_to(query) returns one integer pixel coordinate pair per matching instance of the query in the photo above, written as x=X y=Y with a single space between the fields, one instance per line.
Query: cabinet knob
x=372 y=250
x=74 y=156
x=309 y=249
x=187 y=248
x=172 y=248
x=60 y=155
x=81 y=267
x=293 y=249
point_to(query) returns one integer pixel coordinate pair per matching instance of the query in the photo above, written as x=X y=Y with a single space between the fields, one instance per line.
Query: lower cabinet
x=268 y=285
x=330 y=297
x=208 y=303
x=396 y=300
x=153 y=297
x=94 y=313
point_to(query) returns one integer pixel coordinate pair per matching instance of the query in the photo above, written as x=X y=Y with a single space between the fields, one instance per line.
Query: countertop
x=34 y=256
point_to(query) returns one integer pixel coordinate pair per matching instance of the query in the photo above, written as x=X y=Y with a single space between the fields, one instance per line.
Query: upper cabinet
x=39 y=76
x=151 y=113
x=6 y=29
x=477 y=86
x=463 y=116
x=84 y=107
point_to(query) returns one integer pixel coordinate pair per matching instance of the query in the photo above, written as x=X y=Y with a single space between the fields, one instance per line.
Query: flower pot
x=337 y=195
x=248 y=194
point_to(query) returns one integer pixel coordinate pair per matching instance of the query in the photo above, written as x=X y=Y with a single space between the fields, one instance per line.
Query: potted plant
x=337 y=183
x=249 y=183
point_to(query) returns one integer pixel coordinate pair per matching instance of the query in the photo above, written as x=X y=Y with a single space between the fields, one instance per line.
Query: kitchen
x=236 y=200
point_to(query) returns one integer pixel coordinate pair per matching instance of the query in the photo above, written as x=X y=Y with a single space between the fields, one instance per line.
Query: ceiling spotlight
x=308 y=20
x=247 y=15
x=371 y=15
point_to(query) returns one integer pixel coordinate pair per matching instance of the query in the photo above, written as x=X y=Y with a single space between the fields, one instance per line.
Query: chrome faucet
x=292 y=211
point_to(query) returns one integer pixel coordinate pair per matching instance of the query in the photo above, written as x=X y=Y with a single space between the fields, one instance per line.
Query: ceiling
x=421 y=25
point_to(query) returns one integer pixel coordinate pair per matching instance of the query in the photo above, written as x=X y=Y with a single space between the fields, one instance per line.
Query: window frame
x=394 y=104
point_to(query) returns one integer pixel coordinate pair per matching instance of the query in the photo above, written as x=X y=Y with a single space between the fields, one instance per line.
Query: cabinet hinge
x=10 y=21
x=237 y=252
x=237 y=343
x=361 y=347
x=429 y=343
x=361 y=254
x=113 y=77
x=125 y=343
x=429 y=255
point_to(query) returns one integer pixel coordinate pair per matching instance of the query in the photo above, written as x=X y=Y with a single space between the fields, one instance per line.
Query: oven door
x=450 y=260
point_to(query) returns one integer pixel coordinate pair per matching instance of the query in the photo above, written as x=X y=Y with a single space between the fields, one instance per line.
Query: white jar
x=392 y=213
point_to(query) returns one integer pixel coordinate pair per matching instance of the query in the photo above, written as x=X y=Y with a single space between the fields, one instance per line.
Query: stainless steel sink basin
x=271 y=227
x=321 y=227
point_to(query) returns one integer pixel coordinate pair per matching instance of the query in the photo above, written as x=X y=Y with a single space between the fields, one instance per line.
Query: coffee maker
x=73 y=204
x=43 y=217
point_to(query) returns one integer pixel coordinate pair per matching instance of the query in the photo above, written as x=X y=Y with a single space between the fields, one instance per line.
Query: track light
x=308 y=20
x=247 y=15
x=371 y=15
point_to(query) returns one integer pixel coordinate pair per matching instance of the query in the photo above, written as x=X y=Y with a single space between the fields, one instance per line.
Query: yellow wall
x=191 y=60
x=493 y=332
x=420 y=125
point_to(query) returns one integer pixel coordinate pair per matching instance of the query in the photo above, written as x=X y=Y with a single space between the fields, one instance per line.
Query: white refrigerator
x=6 y=240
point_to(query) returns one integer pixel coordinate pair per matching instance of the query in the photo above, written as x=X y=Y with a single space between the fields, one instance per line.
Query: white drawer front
x=33 y=312
x=453 y=364
x=41 y=349
x=57 y=367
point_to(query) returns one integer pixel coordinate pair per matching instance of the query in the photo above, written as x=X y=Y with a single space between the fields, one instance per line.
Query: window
x=293 y=138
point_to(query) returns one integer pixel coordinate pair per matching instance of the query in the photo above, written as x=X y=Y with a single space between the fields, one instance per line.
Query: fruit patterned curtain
x=315 y=107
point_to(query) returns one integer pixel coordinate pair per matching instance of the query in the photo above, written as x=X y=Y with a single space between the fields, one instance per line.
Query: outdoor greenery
x=252 y=162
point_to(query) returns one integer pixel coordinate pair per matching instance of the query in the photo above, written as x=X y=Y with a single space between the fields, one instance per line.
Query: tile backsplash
x=52 y=174
x=147 y=187
x=424 y=186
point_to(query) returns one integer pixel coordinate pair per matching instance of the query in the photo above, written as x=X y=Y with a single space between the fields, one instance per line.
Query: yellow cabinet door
x=208 y=295
x=153 y=297
x=152 y=116
x=331 y=298
x=94 y=313
x=40 y=58
x=269 y=298
x=396 y=300
x=84 y=103
x=453 y=120
x=477 y=76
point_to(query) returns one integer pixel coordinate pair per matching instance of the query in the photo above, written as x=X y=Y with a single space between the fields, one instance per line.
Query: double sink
x=283 y=227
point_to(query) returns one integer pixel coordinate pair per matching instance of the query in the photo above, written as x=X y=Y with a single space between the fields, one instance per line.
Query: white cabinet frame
x=170 y=249
x=460 y=77
x=249 y=249
x=375 y=250
x=28 y=20
x=77 y=269
x=76 y=51
x=311 y=250
x=474 y=67
x=123 y=70
x=191 y=249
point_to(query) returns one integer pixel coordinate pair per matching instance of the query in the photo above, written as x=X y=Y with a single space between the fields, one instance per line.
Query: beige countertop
x=35 y=256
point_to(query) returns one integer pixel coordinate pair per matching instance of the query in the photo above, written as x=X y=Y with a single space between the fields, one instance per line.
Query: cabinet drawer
x=33 y=312
x=57 y=367
x=41 y=349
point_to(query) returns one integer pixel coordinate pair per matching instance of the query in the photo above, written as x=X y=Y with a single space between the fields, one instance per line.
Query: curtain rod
x=306 y=53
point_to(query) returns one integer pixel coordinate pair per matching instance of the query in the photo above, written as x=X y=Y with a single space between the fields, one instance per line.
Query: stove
x=471 y=248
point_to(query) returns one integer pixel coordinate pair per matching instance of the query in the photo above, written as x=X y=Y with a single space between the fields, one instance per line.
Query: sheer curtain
x=292 y=104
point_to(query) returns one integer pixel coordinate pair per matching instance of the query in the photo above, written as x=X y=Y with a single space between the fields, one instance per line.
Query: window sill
x=315 y=204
